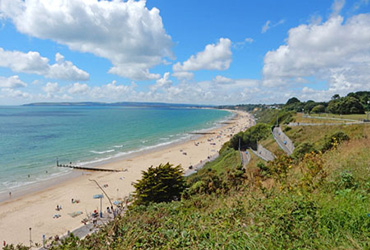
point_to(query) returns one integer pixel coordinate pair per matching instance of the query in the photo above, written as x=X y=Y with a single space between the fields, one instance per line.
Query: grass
x=271 y=145
x=357 y=117
x=328 y=118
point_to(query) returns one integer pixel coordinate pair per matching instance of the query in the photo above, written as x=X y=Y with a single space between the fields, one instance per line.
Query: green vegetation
x=160 y=184
x=353 y=103
x=249 y=138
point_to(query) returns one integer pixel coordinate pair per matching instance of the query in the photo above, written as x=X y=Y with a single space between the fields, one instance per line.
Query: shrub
x=265 y=171
x=302 y=149
x=346 y=181
x=318 y=109
x=160 y=184
x=334 y=140
x=286 y=129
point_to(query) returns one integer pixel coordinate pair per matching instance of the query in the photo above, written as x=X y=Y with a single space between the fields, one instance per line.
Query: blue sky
x=183 y=51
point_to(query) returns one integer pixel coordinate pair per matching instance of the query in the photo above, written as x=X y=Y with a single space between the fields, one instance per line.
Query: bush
x=160 y=184
x=265 y=171
x=318 y=109
x=286 y=129
x=302 y=149
x=346 y=181
x=333 y=140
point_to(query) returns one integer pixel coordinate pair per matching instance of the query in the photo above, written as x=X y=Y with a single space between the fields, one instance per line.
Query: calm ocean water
x=32 y=138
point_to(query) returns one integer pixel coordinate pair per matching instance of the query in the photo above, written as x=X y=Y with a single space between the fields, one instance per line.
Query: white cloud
x=128 y=34
x=51 y=87
x=11 y=82
x=15 y=93
x=359 y=4
x=217 y=91
x=249 y=40
x=65 y=70
x=33 y=63
x=164 y=82
x=222 y=80
x=214 y=57
x=268 y=25
x=240 y=45
x=78 y=88
x=110 y=92
x=336 y=52
x=337 y=7
x=183 y=75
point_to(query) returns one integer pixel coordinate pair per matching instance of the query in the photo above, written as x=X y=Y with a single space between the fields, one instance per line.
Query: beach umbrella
x=117 y=203
x=100 y=196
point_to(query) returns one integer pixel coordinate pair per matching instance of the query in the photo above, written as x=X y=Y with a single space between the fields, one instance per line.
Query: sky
x=184 y=51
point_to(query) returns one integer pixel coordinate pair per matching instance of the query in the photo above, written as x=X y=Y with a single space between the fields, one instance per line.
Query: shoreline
x=32 y=188
x=36 y=210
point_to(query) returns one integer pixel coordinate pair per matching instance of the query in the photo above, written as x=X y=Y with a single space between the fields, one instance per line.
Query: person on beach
x=95 y=214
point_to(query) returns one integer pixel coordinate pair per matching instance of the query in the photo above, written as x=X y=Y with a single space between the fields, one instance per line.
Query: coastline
x=35 y=210
x=70 y=174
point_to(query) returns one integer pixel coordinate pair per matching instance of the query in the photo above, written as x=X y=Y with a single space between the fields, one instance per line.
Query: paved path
x=263 y=153
x=245 y=157
x=200 y=165
x=283 y=140
x=89 y=228
x=293 y=124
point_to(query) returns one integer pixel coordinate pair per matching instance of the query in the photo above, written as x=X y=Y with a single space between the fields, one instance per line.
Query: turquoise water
x=32 y=138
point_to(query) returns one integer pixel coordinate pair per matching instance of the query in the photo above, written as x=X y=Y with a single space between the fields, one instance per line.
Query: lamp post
x=30 y=237
x=367 y=115
x=100 y=196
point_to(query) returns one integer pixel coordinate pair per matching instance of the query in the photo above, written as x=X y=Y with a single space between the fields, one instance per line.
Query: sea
x=34 y=138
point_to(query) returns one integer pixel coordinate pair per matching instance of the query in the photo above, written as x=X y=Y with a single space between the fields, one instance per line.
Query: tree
x=335 y=97
x=250 y=137
x=160 y=184
x=309 y=106
x=293 y=100
x=346 y=105
x=318 y=109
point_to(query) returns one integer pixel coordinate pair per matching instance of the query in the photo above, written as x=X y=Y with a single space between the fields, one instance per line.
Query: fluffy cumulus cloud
x=51 y=87
x=214 y=57
x=220 y=90
x=65 y=70
x=11 y=82
x=33 y=63
x=183 y=75
x=78 y=88
x=127 y=33
x=336 y=52
x=164 y=82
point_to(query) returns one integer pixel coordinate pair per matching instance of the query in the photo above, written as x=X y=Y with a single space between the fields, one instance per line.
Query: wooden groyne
x=203 y=133
x=88 y=168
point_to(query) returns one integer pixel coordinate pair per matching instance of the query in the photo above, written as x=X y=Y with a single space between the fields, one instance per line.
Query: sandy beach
x=36 y=210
